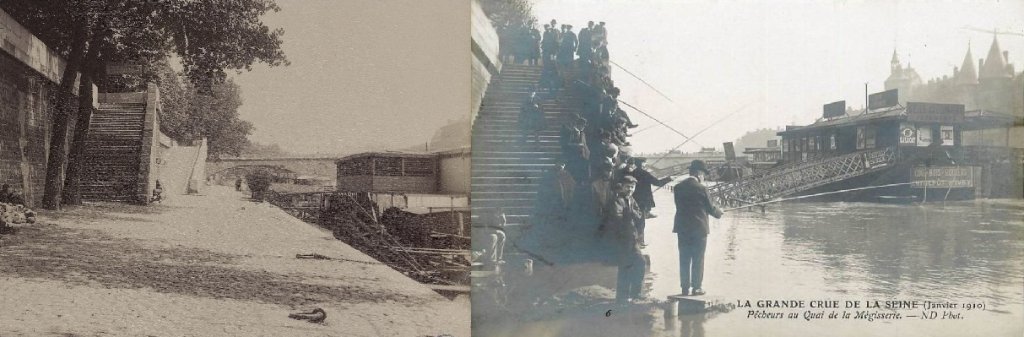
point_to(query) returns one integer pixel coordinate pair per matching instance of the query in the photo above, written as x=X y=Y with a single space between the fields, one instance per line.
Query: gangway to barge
x=791 y=179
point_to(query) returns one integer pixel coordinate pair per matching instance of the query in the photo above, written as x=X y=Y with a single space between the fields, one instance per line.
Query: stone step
x=545 y=162
x=517 y=148
x=512 y=115
x=501 y=124
x=506 y=180
x=506 y=131
x=503 y=195
x=514 y=216
x=504 y=188
x=124 y=113
x=516 y=111
x=536 y=171
x=515 y=156
x=503 y=203
x=528 y=154
x=515 y=140
x=488 y=133
x=517 y=144
x=126 y=121
x=506 y=100
x=513 y=130
x=511 y=166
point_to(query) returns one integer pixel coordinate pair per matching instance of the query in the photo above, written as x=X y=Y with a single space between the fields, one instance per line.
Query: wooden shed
x=388 y=172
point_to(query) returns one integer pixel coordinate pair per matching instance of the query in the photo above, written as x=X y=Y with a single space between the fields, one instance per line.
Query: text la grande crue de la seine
x=846 y=304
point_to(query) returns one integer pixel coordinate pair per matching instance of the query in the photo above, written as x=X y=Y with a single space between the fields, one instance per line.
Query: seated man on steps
x=488 y=238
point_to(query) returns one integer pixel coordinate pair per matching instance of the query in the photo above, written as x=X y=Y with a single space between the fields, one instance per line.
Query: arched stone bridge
x=227 y=170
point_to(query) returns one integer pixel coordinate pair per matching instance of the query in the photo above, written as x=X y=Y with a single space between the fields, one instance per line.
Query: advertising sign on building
x=935 y=112
x=908 y=133
x=943 y=177
x=924 y=136
x=946 y=132
x=834 y=109
x=730 y=152
x=883 y=99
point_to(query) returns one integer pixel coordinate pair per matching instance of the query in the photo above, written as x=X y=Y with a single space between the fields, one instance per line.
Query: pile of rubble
x=408 y=242
x=14 y=214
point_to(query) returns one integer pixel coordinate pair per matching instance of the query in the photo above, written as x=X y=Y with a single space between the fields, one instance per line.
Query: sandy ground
x=211 y=265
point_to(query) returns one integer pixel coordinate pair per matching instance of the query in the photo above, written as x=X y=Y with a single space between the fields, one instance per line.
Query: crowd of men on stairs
x=595 y=184
x=596 y=180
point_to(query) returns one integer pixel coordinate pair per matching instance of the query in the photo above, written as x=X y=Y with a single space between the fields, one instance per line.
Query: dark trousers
x=640 y=225
x=691 y=260
x=631 y=277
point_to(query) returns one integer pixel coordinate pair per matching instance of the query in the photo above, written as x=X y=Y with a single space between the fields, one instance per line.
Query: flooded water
x=967 y=252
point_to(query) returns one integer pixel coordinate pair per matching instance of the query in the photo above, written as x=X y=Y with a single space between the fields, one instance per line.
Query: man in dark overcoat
x=691 y=226
x=644 y=194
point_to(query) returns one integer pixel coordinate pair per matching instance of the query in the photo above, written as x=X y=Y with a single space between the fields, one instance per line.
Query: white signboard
x=924 y=136
x=943 y=177
x=908 y=133
x=946 y=132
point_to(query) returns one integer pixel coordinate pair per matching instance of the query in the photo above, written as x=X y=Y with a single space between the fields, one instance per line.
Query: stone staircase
x=112 y=152
x=505 y=171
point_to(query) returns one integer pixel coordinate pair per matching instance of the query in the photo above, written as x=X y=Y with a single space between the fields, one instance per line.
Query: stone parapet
x=20 y=43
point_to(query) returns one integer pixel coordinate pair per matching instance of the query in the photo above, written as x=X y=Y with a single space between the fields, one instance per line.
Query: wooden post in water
x=927 y=175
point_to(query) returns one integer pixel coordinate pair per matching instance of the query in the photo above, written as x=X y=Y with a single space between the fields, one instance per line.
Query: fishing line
x=702 y=131
x=642 y=80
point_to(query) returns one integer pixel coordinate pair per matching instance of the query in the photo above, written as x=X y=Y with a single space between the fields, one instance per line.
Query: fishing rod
x=649 y=127
x=655 y=119
x=641 y=111
x=642 y=80
x=702 y=131
x=813 y=195
x=698 y=133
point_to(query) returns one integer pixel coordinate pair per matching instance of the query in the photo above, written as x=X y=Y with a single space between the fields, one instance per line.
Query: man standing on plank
x=691 y=225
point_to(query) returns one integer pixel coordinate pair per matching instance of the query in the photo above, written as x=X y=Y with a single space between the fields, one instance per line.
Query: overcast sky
x=369 y=74
x=365 y=75
x=784 y=59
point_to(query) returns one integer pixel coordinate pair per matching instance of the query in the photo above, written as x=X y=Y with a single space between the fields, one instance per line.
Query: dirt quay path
x=212 y=265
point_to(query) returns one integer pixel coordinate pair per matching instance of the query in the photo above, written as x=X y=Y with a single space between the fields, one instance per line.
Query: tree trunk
x=76 y=158
x=73 y=177
x=59 y=134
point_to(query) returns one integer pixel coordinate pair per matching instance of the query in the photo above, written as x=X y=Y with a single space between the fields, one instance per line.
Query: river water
x=965 y=252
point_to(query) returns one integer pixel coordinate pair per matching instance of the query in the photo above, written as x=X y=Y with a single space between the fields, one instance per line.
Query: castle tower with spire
x=904 y=79
x=995 y=81
x=965 y=80
x=993 y=85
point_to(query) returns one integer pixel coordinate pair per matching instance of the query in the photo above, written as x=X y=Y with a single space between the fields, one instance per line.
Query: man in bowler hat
x=691 y=226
